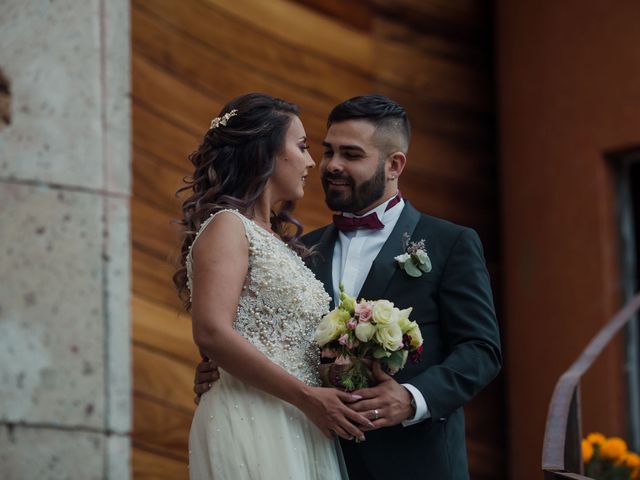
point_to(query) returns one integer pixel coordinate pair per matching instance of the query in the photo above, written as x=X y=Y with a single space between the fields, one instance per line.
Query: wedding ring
x=376 y=414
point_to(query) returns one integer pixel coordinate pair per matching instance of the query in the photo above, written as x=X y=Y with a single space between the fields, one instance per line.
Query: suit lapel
x=384 y=266
x=322 y=262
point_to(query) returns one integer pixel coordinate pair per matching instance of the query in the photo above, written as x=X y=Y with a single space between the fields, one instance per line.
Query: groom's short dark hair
x=389 y=117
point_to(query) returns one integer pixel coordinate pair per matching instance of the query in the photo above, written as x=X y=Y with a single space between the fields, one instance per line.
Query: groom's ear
x=395 y=164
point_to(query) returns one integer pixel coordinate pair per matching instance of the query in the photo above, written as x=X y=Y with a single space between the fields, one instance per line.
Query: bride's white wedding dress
x=240 y=432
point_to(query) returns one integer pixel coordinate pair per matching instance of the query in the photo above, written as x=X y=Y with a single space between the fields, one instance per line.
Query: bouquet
x=357 y=333
x=609 y=459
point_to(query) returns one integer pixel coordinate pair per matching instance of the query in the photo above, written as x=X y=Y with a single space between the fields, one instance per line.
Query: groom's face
x=352 y=170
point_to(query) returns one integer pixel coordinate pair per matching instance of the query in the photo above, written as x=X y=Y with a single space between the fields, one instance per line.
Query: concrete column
x=64 y=239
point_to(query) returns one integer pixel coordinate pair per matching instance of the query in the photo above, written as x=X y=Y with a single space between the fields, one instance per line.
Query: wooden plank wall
x=191 y=56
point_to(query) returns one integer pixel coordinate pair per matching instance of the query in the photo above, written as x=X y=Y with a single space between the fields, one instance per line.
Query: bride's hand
x=327 y=409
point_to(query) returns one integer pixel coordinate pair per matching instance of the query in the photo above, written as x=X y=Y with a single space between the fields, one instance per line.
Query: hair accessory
x=216 y=122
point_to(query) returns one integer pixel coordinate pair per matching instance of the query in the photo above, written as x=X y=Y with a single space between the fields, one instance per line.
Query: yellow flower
x=416 y=335
x=587 y=451
x=347 y=303
x=631 y=460
x=613 y=448
x=596 y=438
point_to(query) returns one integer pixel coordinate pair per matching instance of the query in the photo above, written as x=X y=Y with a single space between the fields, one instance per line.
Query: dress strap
x=204 y=224
x=189 y=260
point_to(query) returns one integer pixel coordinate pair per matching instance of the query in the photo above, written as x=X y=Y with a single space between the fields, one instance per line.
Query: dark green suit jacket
x=454 y=307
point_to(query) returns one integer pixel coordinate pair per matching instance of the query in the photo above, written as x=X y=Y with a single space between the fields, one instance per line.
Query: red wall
x=568 y=90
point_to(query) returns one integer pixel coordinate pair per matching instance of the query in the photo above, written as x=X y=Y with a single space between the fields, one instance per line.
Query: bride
x=255 y=305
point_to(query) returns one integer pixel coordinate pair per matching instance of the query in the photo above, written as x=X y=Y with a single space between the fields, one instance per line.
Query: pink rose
x=344 y=340
x=352 y=324
x=364 y=311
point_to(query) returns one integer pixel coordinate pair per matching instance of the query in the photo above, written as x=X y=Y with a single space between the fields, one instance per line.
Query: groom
x=418 y=417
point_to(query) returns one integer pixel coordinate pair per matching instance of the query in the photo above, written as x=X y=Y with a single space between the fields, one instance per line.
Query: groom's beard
x=357 y=197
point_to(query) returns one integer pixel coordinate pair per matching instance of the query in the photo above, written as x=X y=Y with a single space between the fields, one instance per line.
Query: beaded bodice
x=281 y=302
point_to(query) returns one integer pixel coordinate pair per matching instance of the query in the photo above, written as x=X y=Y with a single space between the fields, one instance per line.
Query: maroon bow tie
x=349 y=224
x=368 y=222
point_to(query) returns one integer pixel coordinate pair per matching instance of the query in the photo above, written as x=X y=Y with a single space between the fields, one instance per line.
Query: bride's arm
x=220 y=265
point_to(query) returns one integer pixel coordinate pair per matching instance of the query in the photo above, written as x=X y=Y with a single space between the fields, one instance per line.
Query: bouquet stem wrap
x=355 y=376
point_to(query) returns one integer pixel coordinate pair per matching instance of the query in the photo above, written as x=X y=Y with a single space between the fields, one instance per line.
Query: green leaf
x=426 y=266
x=380 y=352
x=411 y=269
x=397 y=359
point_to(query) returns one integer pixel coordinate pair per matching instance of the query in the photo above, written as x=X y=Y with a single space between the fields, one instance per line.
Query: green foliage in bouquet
x=356 y=376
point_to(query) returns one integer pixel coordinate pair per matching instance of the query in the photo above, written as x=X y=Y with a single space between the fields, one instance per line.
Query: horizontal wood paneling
x=152 y=276
x=162 y=378
x=314 y=34
x=152 y=228
x=474 y=55
x=163 y=328
x=464 y=21
x=355 y=13
x=157 y=182
x=149 y=465
x=155 y=135
x=438 y=78
x=191 y=57
x=267 y=57
x=162 y=429
x=165 y=95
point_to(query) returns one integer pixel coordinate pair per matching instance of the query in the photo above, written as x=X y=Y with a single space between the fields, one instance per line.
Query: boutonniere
x=415 y=261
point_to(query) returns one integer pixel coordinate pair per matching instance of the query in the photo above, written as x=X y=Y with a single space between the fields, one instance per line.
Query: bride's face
x=292 y=164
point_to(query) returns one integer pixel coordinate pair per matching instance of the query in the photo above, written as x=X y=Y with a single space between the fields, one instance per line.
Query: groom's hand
x=206 y=373
x=389 y=401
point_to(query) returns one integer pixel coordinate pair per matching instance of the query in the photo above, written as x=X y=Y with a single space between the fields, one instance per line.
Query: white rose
x=332 y=325
x=389 y=336
x=365 y=331
x=383 y=312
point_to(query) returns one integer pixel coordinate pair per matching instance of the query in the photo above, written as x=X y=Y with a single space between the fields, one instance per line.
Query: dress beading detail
x=281 y=302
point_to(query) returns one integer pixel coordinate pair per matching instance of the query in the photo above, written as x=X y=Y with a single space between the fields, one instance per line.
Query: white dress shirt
x=353 y=254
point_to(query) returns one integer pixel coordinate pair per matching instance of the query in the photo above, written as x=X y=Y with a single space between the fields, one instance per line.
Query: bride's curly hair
x=232 y=167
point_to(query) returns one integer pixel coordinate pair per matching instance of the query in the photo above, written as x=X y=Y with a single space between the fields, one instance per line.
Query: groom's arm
x=471 y=337
x=206 y=374
x=469 y=331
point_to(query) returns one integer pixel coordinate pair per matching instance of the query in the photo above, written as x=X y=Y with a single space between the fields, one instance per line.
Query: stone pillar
x=64 y=239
